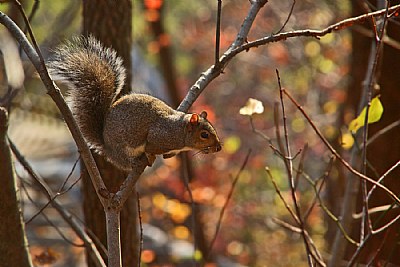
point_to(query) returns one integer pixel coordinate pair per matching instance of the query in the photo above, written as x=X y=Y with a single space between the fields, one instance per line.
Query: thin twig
x=265 y=137
x=140 y=228
x=35 y=8
x=382 y=132
x=377 y=250
x=289 y=169
x=229 y=196
x=328 y=212
x=343 y=24
x=28 y=26
x=59 y=193
x=218 y=32
x=69 y=176
x=286 y=225
x=386 y=39
x=382 y=178
x=48 y=219
x=373 y=210
x=370 y=234
x=278 y=133
x=314 y=252
x=299 y=170
x=329 y=146
x=288 y=17
x=65 y=214
x=185 y=174
x=278 y=191
x=317 y=257
x=318 y=191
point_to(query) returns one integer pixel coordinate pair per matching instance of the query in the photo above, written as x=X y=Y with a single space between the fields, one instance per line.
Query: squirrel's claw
x=150 y=158
x=169 y=155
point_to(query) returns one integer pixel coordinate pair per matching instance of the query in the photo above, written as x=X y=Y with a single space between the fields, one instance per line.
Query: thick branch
x=56 y=95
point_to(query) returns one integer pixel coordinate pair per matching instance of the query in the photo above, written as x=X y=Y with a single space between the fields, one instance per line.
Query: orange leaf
x=153 y=4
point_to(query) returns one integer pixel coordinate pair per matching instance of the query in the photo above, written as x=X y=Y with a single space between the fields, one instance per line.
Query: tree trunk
x=13 y=242
x=111 y=23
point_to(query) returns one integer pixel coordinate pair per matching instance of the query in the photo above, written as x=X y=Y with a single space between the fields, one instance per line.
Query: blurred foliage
x=313 y=70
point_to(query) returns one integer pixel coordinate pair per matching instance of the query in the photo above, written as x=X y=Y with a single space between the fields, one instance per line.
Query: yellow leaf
x=374 y=115
x=347 y=141
x=231 y=144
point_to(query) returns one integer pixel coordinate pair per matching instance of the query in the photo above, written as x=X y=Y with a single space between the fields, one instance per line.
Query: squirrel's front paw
x=150 y=158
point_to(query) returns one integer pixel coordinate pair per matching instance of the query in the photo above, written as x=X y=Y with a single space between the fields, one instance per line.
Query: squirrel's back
x=96 y=76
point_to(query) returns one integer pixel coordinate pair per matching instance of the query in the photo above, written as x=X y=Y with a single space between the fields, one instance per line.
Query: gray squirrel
x=124 y=128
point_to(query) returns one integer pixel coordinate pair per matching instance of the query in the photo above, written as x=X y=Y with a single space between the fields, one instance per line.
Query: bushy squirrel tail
x=95 y=75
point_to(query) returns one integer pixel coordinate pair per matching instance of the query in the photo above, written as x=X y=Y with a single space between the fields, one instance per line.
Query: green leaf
x=374 y=115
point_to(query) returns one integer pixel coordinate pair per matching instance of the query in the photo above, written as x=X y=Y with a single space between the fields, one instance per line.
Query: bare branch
x=288 y=17
x=29 y=28
x=58 y=230
x=289 y=169
x=369 y=82
x=55 y=94
x=222 y=212
x=316 y=254
x=278 y=191
x=140 y=227
x=380 y=180
x=237 y=47
x=314 y=184
x=329 y=146
x=309 y=33
x=65 y=214
x=218 y=32
x=214 y=71
x=383 y=131
x=59 y=193
x=383 y=208
x=328 y=212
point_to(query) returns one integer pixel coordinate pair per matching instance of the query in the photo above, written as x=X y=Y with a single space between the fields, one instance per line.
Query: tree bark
x=111 y=23
x=13 y=242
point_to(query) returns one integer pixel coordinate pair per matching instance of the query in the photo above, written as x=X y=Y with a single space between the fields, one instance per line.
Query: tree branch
x=215 y=70
x=65 y=214
x=236 y=47
x=56 y=95
x=329 y=146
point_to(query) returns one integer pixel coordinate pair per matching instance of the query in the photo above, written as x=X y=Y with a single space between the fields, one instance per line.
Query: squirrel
x=124 y=128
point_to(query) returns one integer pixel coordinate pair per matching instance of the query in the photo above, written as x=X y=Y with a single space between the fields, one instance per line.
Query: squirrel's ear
x=203 y=114
x=194 y=119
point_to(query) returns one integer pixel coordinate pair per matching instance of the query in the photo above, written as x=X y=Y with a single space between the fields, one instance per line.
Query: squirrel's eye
x=204 y=134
